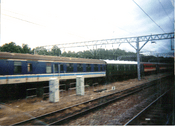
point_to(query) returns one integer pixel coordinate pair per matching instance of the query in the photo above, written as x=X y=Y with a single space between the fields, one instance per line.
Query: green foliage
x=41 y=51
x=111 y=54
x=13 y=48
x=97 y=54
x=25 y=48
x=55 y=51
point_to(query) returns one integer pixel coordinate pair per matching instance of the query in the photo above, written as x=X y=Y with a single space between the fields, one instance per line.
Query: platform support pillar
x=80 y=85
x=54 y=90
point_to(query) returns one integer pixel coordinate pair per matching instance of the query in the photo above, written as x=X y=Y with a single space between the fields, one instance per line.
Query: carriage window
x=112 y=67
x=69 y=67
x=55 y=68
x=121 y=67
x=17 y=67
x=126 y=67
x=104 y=67
x=79 y=67
x=101 y=68
x=61 y=67
x=29 y=67
x=95 y=67
x=88 y=67
x=48 y=67
x=132 y=67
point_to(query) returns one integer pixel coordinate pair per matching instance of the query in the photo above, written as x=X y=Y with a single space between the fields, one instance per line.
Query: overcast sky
x=43 y=22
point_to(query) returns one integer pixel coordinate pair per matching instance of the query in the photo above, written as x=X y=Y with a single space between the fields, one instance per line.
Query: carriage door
x=58 y=70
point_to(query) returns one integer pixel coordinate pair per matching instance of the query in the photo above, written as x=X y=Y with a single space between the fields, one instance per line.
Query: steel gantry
x=119 y=41
x=115 y=41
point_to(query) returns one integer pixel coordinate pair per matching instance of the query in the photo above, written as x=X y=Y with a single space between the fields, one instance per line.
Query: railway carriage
x=22 y=68
x=149 y=68
x=165 y=67
x=117 y=70
x=152 y=67
x=20 y=72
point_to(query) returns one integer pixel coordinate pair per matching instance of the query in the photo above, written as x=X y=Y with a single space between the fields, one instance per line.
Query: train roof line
x=20 y=56
x=119 y=62
x=129 y=62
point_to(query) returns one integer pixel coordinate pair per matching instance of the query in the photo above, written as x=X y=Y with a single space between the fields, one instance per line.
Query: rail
x=59 y=116
x=128 y=123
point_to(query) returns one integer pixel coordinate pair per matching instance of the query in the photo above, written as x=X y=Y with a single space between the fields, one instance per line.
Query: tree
x=25 y=48
x=11 y=47
x=64 y=54
x=55 y=51
x=40 y=51
x=88 y=54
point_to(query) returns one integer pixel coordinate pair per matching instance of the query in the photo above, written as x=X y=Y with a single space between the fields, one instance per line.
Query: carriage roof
x=42 y=58
x=119 y=62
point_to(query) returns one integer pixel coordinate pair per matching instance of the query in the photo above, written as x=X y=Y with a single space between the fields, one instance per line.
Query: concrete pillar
x=80 y=85
x=54 y=90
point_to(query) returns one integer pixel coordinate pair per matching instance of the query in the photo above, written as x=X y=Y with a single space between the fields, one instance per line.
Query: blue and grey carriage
x=24 y=68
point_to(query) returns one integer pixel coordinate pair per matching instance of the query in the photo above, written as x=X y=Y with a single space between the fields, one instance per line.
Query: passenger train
x=23 y=68
x=127 y=69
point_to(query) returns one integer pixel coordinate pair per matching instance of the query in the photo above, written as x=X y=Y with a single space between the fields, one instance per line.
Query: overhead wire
x=148 y=16
x=172 y=1
x=164 y=10
x=15 y=17
x=125 y=30
x=18 y=18
x=21 y=19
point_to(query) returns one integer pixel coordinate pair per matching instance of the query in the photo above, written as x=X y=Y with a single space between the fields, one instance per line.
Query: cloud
x=73 y=21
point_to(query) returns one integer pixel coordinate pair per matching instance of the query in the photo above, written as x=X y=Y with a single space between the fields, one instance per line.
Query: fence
x=95 y=86
x=44 y=93
x=33 y=94
x=62 y=89
x=70 y=90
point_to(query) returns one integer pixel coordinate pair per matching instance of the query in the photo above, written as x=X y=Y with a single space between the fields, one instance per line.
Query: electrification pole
x=138 y=58
x=119 y=41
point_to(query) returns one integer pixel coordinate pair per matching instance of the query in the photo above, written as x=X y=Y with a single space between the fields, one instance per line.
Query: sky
x=43 y=22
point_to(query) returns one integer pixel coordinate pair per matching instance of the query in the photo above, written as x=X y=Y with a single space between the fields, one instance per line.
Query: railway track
x=62 y=116
x=157 y=112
